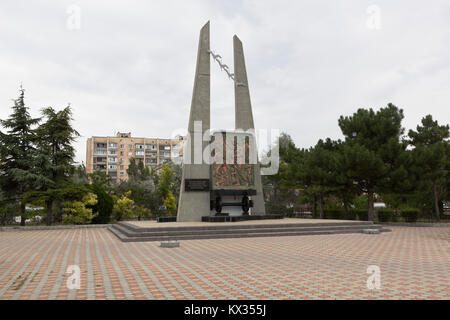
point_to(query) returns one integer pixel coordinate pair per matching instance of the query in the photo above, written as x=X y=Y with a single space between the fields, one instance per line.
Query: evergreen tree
x=17 y=163
x=320 y=166
x=104 y=205
x=282 y=189
x=101 y=179
x=56 y=153
x=372 y=154
x=142 y=186
x=431 y=154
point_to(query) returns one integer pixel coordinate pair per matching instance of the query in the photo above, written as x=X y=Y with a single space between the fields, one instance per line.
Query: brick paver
x=414 y=264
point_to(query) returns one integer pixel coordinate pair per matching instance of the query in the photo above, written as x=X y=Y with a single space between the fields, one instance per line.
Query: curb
x=416 y=224
x=34 y=228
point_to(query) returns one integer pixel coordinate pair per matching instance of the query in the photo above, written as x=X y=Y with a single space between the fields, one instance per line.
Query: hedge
x=390 y=215
x=363 y=214
x=339 y=214
x=410 y=215
x=384 y=215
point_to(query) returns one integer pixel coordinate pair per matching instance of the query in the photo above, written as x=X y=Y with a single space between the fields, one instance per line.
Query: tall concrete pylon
x=194 y=204
x=244 y=115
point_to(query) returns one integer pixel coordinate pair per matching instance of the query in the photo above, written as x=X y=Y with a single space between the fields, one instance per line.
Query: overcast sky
x=129 y=65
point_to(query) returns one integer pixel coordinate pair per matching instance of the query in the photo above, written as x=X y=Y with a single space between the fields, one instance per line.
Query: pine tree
x=372 y=154
x=55 y=152
x=17 y=162
x=431 y=154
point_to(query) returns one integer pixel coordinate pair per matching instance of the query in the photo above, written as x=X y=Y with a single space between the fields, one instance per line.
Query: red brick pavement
x=414 y=264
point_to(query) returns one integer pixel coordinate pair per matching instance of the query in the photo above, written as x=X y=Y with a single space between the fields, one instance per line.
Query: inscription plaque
x=191 y=185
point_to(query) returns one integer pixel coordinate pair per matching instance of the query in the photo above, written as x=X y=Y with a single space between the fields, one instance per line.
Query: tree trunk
x=436 y=202
x=347 y=216
x=314 y=206
x=371 y=210
x=321 y=205
x=49 y=212
x=56 y=211
x=22 y=214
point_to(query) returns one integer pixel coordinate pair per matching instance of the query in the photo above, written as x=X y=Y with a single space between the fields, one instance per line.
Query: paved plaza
x=414 y=264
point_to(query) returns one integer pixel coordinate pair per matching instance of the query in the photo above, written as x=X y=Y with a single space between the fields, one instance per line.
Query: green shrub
x=362 y=214
x=410 y=214
x=76 y=212
x=104 y=206
x=334 y=213
x=6 y=215
x=170 y=203
x=350 y=216
x=123 y=208
x=385 y=215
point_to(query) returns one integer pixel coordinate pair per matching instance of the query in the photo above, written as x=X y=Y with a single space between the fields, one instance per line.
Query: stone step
x=126 y=236
x=220 y=226
x=225 y=236
x=273 y=229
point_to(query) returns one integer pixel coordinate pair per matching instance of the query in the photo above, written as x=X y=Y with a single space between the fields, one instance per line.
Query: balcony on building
x=163 y=147
x=139 y=154
x=99 y=167
x=99 y=152
x=113 y=175
x=99 y=160
x=100 y=145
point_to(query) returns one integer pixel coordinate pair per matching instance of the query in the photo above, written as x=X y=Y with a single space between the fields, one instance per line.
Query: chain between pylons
x=224 y=67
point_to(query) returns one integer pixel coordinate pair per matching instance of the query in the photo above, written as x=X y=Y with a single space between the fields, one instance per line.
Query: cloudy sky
x=129 y=65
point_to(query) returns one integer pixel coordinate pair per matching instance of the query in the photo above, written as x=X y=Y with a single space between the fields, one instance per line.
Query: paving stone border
x=34 y=228
x=416 y=224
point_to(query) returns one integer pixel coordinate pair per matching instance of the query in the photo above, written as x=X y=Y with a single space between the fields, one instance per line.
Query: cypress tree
x=17 y=162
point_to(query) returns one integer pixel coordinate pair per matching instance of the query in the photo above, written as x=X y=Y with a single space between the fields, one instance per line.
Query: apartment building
x=112 y=155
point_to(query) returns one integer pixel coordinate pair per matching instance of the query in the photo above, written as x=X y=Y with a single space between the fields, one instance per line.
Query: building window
x=113 y=145
x=100 y=152
x=122 y=146
x=101 y=145
x=130 y=146
x=121 y=167
x=139 y=153
x=140 y=146
x=130 y=154
x=121 y=173
x=121 y=153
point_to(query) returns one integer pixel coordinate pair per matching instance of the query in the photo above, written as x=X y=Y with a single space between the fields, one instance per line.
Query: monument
x=208 y=183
